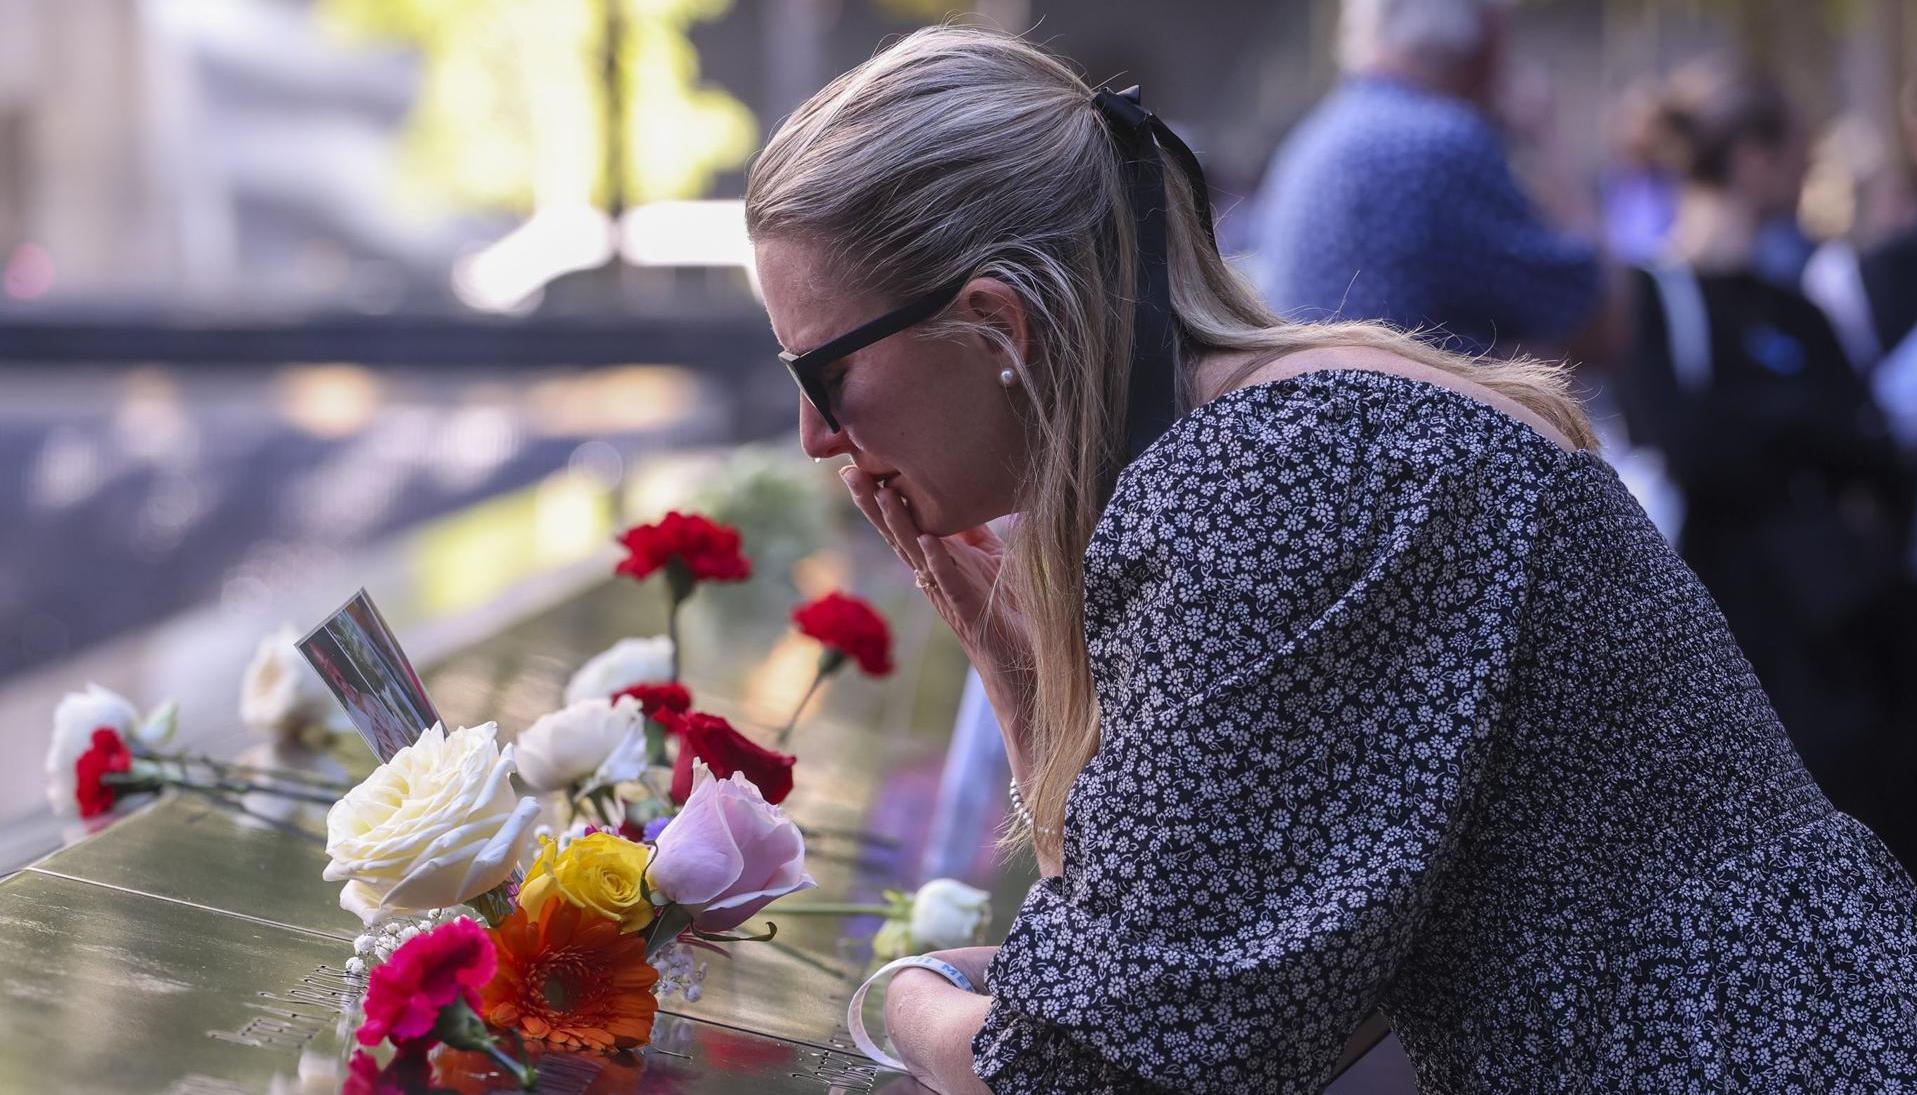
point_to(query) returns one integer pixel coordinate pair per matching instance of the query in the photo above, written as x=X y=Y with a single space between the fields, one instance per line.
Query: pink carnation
x=404 y=996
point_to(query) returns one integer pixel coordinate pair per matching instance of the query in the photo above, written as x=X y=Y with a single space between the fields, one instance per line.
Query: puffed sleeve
x=1303 y=626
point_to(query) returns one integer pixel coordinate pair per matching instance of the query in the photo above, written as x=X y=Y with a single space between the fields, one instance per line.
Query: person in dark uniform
x=1797 y=503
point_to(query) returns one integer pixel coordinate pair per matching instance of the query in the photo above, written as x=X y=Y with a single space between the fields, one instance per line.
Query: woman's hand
x=931 y=1022
x=960 y=574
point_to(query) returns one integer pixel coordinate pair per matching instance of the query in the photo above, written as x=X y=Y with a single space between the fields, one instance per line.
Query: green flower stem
x=655 y=742
x=493 y=906
x=460 y=1027
x=527 y=1076
x=133 y=783
x=888 y=911
x=242 y=770
x=243 y=787
x=680 y=583
x=827 y=664
x=666 y=927
x=268 y=771
x=607 y=800
x=141 y=782
x=672 y=634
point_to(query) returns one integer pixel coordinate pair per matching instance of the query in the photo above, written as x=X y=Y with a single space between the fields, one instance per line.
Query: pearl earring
x=1008 y=378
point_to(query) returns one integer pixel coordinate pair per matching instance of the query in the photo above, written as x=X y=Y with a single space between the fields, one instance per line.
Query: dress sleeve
x=1302 y=641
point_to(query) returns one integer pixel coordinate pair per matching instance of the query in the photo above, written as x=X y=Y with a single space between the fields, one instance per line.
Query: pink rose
x=728 y=853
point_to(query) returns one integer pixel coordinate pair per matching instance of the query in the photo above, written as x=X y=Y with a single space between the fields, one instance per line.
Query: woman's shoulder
x=1419 y=380
x=1335 y=460
x=1379 y=412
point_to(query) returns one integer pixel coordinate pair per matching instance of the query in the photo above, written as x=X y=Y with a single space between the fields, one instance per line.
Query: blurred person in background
x=1797 y=505
x=1867 y=283
x=1394 y=199
x=1889 y=275
x=1639 y=193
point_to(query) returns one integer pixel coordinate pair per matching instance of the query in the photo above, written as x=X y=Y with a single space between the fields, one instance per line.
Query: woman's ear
x=995 y=304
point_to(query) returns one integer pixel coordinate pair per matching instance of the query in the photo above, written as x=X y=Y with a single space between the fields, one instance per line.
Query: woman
x=1797 y=502
x=1362 y=685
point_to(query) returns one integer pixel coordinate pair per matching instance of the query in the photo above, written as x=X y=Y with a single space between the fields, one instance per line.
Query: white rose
x=436 y=825
x=78 y=715
x=628 y=662
x=946 y=914
x=282 y=694
x=593 y=740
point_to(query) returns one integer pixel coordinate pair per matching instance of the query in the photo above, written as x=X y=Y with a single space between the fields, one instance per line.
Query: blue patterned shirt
x=1389 y=202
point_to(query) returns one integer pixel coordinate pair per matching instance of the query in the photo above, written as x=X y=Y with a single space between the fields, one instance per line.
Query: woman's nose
x=815 y=437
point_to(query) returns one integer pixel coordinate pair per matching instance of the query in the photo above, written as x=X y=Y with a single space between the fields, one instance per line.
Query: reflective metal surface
x=188 y=849
x=162 y=996
x=111 y=991
x=186 y=929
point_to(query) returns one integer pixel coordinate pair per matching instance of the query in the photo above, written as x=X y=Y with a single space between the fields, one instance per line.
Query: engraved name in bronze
x=839 y=1072
x=290 y=1019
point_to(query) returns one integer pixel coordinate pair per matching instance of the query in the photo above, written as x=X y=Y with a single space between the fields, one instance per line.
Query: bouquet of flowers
x=621 y=752
x=572 y=958
x=675 y=840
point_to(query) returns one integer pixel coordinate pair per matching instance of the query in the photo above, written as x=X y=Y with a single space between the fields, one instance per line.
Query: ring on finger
x=924 y=580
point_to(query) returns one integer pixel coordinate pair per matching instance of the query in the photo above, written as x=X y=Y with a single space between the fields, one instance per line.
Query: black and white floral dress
x=1405 y=707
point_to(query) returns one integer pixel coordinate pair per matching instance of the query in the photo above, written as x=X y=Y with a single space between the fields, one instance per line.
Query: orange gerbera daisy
x=570 y=979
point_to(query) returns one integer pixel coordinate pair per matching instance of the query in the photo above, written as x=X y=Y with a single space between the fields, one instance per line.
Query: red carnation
x=107 y=754
x=658 y=699
x=428 y=972
x=848 y=627
x=725 y=751
x=707 y=551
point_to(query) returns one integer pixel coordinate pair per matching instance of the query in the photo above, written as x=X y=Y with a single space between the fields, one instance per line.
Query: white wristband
x=855 y=1012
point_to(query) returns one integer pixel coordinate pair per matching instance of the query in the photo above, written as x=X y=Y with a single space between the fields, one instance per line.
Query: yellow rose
x=600 y=873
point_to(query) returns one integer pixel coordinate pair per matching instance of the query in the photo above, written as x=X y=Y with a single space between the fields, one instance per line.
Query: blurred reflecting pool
x=132 y=493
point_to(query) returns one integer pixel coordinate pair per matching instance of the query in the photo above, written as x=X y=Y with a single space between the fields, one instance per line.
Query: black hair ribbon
x=1151 y=405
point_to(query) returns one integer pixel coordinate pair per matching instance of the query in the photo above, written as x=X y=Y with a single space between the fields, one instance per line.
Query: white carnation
x=628 y=662
x=593 y=740
x=946 y=913
x=281 y=695
x=74 y=721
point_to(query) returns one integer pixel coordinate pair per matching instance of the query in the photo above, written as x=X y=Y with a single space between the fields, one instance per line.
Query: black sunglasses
x=808 y=369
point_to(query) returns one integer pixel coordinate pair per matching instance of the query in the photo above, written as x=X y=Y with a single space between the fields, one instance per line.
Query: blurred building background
x=233 y=155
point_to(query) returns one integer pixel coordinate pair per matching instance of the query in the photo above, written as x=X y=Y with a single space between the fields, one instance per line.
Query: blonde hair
x=962 y=151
